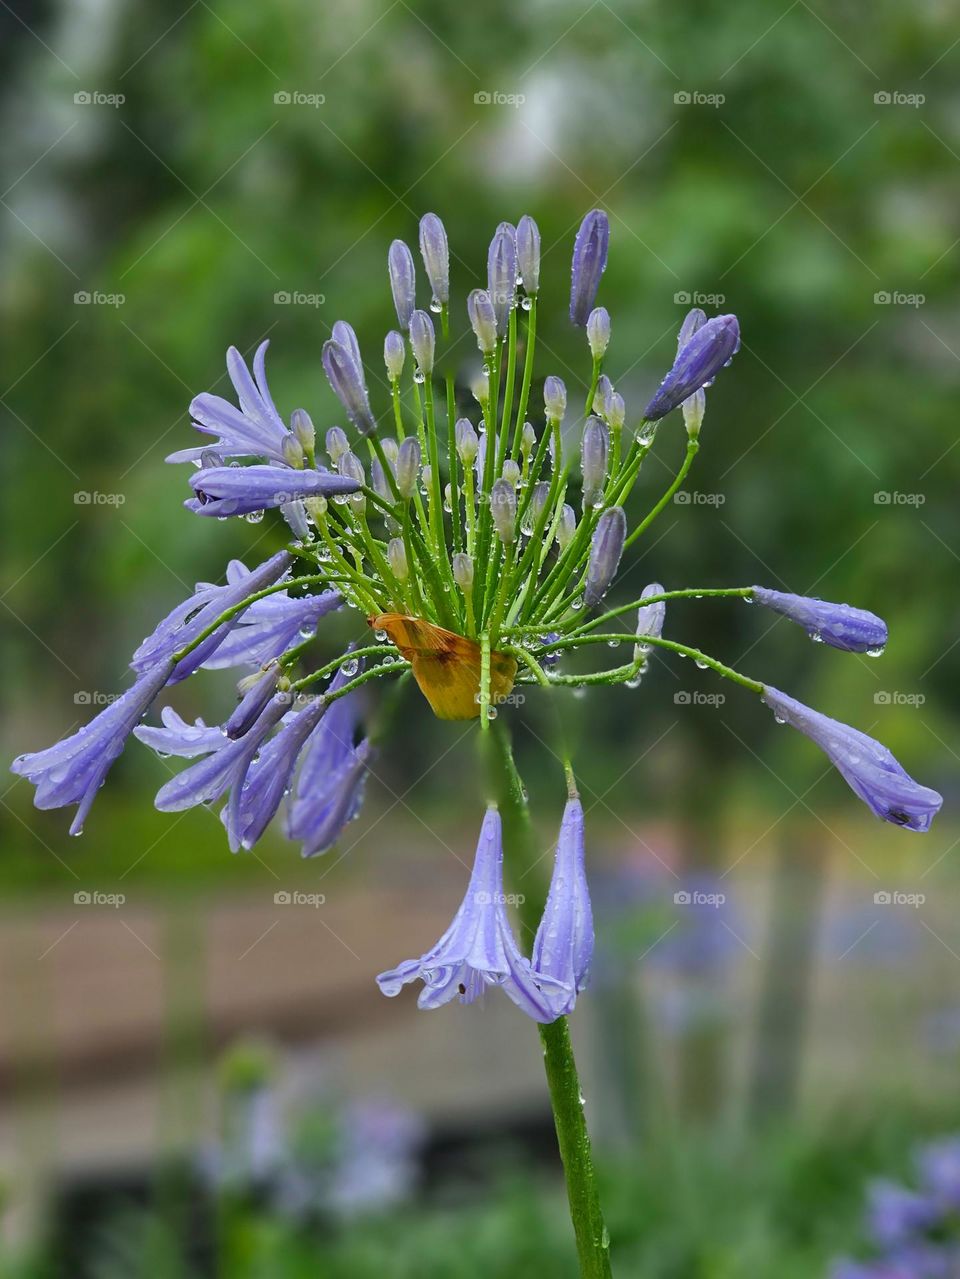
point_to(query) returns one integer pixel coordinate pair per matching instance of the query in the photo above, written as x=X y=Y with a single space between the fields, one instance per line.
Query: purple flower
x=867 y=767
x=191 y=618
x=594 y=447
x=436 y=256
x=528 y=254
x=563 y=947
x=177 y=737
x=254 y=430
x=253 y=702
x=605 y=551
x=898 y=1216
x=503 y=510
x=346 y=335
x=589 y=263
x=270 y=626
x=72 y=771
x=502 y=274
x=345 y=375
x=322 y=821
x=403 y=281
x=839 y=625
x=241 y=490
x=698 y=362
x=939 y=1165
x=478 y=949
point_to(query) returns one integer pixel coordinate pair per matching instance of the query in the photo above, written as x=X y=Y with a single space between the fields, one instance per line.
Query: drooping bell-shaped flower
x=839 y=625
x=270 y=626
x=589 y=263
x=394 y=354
x=436 y=256
x=403 y=282
x=563 y=946
x=345 y=376
x=868 y=768
x=698 y=362
x=650 y=619
x=502 y=274
x=483 y=320
x=324 y=820
x=255 y=429
x=598 y=331
x=479 y=949
x=423 y=340
x=72 y=771
x=594 y=448
x=606 y=547
x=528 y=254
x=243 y=490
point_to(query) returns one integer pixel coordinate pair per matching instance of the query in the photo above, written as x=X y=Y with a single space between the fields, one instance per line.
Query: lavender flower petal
x=324 y=823
x=240 y=490
x=868 y=768
x=270 y=626
x=839 y=625
x=403 y=281
x=345 y=375
x=252 y=703
x=502 y=274
x=177 y=737
x=605 y=551
x=436 y=256
x=563 y=946
x=711 y=348
x=589 y=263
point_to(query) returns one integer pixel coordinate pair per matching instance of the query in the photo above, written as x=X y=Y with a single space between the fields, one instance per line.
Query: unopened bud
x=601 y=395
x=436 y=257
x=616 y=411
x=391 y=448
x=606 y=548
x=302 y=427
x=337 y=443
x=593 y=461
x=403 y=281
x=467 y=441
x=463 y=571
x=408 y=467
x=394 y=354
x=511 y=472
x=554 y=399
x=528 y=439
x=503 y=510
x=397 y=559
x=423 y=340
x=567 y=527
x=502 y=274
x=292 y=451
x=483 y=320
x=480 y=388
x=528 y=254
x=598 y=331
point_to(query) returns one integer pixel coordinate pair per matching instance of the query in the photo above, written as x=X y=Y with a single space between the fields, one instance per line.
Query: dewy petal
x=191 y=618
x=345 y=376
x=403 y=281
x=270 y=626
x=479 y=949
x=589 y=263
x=72 y=771
x=436 y=256
x=698 y=362
x=240 y=490
x=325 y=822
x=606 y=549
x=868 y=768
x=563 y=947
x=502 y=274
x=839 y=625
x=177 y=737
x=253 y=430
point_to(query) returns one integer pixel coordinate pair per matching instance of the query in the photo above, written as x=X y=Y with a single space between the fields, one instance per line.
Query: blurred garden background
x=199 y=1074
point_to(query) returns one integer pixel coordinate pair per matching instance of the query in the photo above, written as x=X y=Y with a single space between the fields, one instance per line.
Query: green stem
x=644 y=524
x=566 y=1098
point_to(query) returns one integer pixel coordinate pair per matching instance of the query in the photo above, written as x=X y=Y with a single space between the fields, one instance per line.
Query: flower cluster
x=479 y=544
x=913 y=1233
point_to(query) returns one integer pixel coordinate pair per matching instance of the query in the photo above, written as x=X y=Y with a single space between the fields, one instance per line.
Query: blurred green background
x=175 y=180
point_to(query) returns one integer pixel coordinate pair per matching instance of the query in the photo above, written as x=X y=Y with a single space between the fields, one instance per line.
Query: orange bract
x=446 y=665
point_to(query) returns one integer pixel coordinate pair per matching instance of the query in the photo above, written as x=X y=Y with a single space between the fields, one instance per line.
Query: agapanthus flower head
x=346 y=379
x=589 y=263
x=528 y=254
x=403 y=281
x=698 y=362
x=839 y=625
x=435 y=252
x=868 y=768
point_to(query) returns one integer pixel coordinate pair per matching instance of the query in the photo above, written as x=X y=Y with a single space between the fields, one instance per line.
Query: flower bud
x=567 y=527
x=602 y=395
x=343 y=333
x=378 y=480
x=693 y=409
x=538 y=499
x=337 y=443
x=502 y=274
x=423 y=340
x=408 y=467
x=598 y=331
x=528 y=440
x=593 y=461
x=606 y=548
x=712 y=347
x=554 y=399
x=391 y=448
x=483 y=320
x=694 y=320
x=467 y=441
x=480 y=388
x=301 y=425
x=426 y=474
x=589 y=263
x=394 y=354
x=346 y=377
x=292 y=452
x=351 y=467
x=463 y=571
x=295 y=514
x=511 y=472
x=528 y=254
x=403 y=282
x=616 y=411
x=650 y=619
x=397 y=559
x=503 y=510
x=436 y=257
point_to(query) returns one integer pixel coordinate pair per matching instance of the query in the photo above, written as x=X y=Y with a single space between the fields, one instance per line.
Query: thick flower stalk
x=479 y=549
